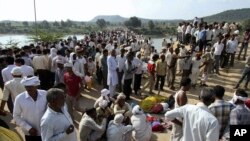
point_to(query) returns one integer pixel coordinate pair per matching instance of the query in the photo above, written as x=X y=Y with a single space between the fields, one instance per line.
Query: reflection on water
x=24 y=40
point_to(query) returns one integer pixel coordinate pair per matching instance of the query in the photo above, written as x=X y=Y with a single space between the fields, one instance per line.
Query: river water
x=24 y=40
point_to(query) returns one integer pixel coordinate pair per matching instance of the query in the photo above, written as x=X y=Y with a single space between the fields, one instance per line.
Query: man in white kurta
x=13 y=87
x=117 y=131
x=112 y=80
x=56 y=123
x=198 y=124
x=143 y=129
x=29 y=108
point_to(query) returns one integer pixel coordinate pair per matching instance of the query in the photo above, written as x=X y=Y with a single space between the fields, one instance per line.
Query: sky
x=85 y=10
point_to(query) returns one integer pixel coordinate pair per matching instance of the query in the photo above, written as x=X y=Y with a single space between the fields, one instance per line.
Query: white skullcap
x=69 y=65
x=31 y=81
x=16 y=71
x=236 y=32
x=137 y=110
x=105 y=92
x=118 y=118
x=59 y=61
x=121 y=96
x=103 y=104
x=235 y=98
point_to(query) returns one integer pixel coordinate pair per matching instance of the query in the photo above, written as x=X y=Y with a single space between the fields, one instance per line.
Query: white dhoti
x=195 y=75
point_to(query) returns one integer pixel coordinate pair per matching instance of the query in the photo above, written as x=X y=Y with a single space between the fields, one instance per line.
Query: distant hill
x=110 y=18
x=229 y=15
x=118 y=18
x=236 y=15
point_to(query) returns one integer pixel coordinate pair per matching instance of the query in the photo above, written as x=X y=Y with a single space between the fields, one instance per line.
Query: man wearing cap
x=13 y=87
x=29 y=108
x=73 y=84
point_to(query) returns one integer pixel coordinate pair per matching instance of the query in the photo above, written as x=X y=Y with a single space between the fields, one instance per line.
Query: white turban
x=103 y=104
x=235 y=97
x=16 y=71
x=104 y=93
x=137 y=110
x=31 y=81
x=118 y=118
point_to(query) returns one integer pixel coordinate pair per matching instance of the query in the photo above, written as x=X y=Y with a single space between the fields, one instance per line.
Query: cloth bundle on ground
x=8 y=135
x=156 y=124
x=153 y=104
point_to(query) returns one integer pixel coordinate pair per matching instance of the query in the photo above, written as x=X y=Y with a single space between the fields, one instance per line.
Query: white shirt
x=218 y=48
x=40 y=62
x=138 y=63
x=112 y=74
x=117 y=132
x=196 y=63
x=121 y=62
x=179 y=29
x=13 y=88
x=198 y=124
x=28 y=113
x=6 y=73
x=54 y=125
x=209 y=34
x=143 y=129
x=188 y=30
x=27 y=70
x=232 y=46
x=169 y=58
x=109 y=47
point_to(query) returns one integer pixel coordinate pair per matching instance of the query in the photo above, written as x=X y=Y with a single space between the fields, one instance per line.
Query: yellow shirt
x=161 y=67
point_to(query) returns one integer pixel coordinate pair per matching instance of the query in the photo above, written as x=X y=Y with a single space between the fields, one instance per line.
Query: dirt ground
x=228 y=78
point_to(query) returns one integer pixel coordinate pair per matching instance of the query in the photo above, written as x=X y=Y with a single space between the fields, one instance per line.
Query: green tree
x=25 y=23
x=56 y=24
x=151 y=24
x=101 y=23
x=45 y=24
x=133 y=22
x=246 y=24
x=46 y=36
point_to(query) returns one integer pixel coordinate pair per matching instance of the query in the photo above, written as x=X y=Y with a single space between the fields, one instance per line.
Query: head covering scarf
x=137 y=110
x=103 y=104
x=104 y=93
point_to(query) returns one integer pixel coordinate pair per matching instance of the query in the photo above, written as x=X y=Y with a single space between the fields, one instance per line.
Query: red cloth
x=151 y=67
x=157 y=108
x=247 y=103
x=73 y=83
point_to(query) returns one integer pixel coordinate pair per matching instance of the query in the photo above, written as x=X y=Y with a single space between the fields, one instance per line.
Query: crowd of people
x=43 y=82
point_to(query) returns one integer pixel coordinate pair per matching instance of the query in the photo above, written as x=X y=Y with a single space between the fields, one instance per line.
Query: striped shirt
x=240 y=115
x=221 y=110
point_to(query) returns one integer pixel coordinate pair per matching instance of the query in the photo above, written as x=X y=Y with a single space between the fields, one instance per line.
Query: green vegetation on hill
x=237 y=15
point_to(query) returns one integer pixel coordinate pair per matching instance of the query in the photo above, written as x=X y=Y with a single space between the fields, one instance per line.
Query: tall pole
x=35 y=17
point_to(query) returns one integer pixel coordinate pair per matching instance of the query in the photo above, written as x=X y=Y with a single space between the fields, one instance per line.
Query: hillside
x=110 y=18
x=236 y=15
x=229 y=15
